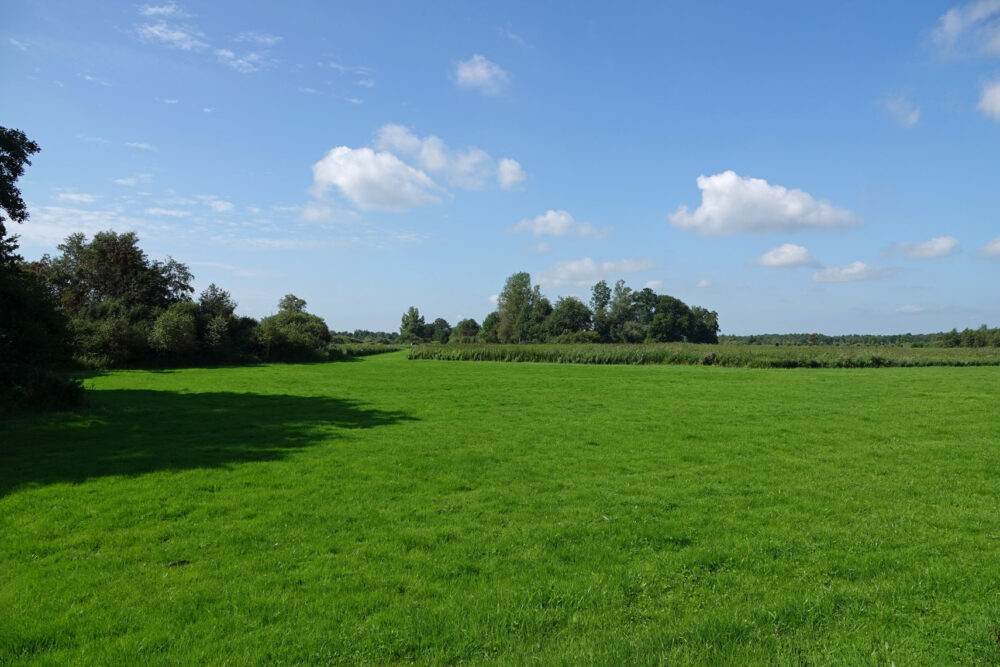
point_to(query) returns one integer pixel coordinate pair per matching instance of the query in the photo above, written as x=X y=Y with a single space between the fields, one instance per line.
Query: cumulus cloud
x=991 y=249
x=732 y=204
x=989 y=103
x=509 y=173
x=901 y=109
x=787 y=254
x=471 y=168
x=976 y=23
x=559 y=223
x=77 y=197
x=845 y=274
x=480 y=74
x=375 y=180
x=940 y=246
x=586 y=271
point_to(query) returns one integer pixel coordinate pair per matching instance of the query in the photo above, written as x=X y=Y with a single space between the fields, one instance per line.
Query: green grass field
x=384 y=510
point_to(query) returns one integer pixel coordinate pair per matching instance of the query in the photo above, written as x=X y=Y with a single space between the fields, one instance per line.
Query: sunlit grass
x=386 y=510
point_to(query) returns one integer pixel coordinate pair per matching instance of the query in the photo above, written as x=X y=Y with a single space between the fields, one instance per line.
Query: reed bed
x=742 y=356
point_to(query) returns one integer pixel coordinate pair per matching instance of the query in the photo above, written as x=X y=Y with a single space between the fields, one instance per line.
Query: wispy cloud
x=853 y=272
x=77 y=197
x=940 y=246
x=168 y=212
x=17 y=44
x=909 y=309
x=167 y=9
x=142 y=146
x=580 y=272
x=132 y=181
x=259 y=38
x=247 y=63
x=184 y=38
x=975 y=25
x=901 y=109
x=95 y=80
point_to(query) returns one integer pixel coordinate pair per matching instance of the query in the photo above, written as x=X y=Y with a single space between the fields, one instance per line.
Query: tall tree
x=411 y=325
x=15 y=154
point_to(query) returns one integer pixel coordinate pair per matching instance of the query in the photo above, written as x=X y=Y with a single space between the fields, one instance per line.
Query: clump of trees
x=616 y=314
x=981 y=337
x=33 y=353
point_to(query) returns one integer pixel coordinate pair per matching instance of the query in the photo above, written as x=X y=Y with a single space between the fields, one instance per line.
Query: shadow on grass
x=132 y=432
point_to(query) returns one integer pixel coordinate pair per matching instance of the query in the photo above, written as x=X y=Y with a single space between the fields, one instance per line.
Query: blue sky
x=796 y=167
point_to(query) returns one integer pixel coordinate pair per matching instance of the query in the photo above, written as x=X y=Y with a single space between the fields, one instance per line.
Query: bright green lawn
x=387 y=510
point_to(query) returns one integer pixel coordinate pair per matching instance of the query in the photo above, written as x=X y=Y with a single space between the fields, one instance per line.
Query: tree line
x=616 y=314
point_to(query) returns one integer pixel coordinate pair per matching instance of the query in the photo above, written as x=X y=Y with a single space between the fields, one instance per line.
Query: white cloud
x=977 y=23
x=95 y=79
x=316 y=213
x=481 y=74
x=20 y=46
x=787 y=254
x=940 y=246
x=168 y=212
x=509 y=173
x=216 y=204
x=586 y=271
x=494 y=299
x=50 y=225
x=471 y=168
x=367 y=83
x=991 y=249
x=910 y=309
x=850 y=273
x=77 y=197
x=901 y=109
x=168 y=101
x=246 y=64
x=235 y=270
x=375 y=181
x=989 y=103
x=654 y=284
x=703 y=283
x=208 y=110
x=732 y=204
x=169 y=9
x=260 y=38
x=138 y=145
x=559 y=223
x=131 y=181
x=360 y=70
x=174 y=37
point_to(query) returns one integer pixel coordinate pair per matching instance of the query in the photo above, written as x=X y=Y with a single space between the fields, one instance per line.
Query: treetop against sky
x=793 y=167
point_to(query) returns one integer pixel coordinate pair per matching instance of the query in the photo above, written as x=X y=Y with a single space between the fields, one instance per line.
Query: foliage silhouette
x=134 y=432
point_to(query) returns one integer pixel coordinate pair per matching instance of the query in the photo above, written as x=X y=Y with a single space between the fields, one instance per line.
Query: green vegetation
x=746 y=356
x=389 y=511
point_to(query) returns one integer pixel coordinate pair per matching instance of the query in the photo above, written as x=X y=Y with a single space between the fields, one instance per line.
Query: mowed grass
x=385 y=510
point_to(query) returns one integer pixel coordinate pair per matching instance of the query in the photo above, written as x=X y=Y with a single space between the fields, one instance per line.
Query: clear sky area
x=795 y=166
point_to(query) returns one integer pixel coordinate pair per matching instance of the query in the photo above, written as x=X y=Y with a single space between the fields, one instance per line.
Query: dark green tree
x=569 y=317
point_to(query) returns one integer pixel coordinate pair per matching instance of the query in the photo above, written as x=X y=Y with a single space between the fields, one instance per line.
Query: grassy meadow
x=380 y=510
